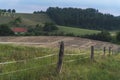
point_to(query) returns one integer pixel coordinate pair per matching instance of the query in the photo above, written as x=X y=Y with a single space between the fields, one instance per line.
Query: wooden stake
x=92 y=53
x=60 y=58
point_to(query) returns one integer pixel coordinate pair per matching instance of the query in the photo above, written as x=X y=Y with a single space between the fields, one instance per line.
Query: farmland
x=77 y=31
x=36 y=57
x=49 y=41
x=27 y=19
x=29 y=63
x=41 y=19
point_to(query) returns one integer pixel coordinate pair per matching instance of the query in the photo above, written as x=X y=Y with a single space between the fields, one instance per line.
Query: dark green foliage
x=38 y=12
x=16 y=21
x=9 y=11
x=13 y=11
x=70 y=34
x=49 y=27
x=5 y=30
x=118 y=36
x=103 y=36
x=83 y=18
x=37 y=30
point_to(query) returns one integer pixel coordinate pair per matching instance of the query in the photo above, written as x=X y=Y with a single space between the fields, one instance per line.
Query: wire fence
x=40 y=59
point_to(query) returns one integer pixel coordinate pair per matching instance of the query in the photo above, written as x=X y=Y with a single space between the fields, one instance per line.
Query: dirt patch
x=53 y=41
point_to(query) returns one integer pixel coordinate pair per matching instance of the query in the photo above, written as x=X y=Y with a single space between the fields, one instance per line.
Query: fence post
x=60 y=58
x=104 y=51
x=109 y=51
x=92 y=53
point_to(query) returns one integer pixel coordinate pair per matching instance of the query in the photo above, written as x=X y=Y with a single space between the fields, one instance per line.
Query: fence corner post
x=60 y=57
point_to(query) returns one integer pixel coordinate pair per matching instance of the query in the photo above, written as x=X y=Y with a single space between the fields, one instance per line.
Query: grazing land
x=30 y=63
x=27 y=19
x=77 y=31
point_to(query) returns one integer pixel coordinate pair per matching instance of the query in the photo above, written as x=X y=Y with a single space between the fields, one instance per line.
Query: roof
x=19 y=29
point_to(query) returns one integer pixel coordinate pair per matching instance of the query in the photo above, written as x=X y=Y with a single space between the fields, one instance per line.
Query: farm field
x=31 y=63
x=76 y=31
x=52 y=41
x=36 y=57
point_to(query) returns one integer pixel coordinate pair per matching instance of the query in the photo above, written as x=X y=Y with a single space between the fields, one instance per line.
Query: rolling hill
x=76 y=31
x=27 y=19
x=33 y=19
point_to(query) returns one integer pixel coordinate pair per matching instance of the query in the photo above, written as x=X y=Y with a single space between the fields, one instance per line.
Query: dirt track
x=52 y=41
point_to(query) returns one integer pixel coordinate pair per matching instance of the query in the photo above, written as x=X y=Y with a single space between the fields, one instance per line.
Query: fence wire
x=25 y=59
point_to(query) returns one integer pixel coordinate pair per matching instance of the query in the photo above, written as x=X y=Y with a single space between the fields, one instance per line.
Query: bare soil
x=53 y=41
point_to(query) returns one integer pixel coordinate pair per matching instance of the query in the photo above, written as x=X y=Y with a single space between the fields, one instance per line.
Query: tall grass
x=103 y=68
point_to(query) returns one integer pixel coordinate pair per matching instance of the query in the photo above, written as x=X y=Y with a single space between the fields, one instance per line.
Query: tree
x=18 y=20
x=118 y=36
x=103 y=36
x=83 y=18
x=5 y=30
x=13 y=11
x=4 y=10
x=9 y=11
x=49 y=27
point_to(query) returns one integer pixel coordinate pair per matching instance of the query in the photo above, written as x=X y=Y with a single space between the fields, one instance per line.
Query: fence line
x=25 y=69
x=42 y=65
x=11 y=62
x=76 y=59
x=74 y=54
x=79 y=59
x=60 y=59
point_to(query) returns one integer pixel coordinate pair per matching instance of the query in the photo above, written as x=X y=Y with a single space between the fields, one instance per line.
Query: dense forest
x=83 y=18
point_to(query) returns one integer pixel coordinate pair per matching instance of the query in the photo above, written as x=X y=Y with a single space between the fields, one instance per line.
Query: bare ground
x=53 y=41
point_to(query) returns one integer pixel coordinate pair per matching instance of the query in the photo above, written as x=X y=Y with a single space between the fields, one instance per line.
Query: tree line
x=7 y=11
x=84 y=18
x=38 y=12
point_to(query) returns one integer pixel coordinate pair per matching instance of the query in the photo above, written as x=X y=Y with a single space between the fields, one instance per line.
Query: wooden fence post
x=104 y=51
x=92 y=53
x=60 y=58
x=109 y=51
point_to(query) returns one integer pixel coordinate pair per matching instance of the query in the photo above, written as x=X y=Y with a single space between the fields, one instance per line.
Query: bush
x=49 y=27
x=118 y=36
x=103 y=36
x=5 y=30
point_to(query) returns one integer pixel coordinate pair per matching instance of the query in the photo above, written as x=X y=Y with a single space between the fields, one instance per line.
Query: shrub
x=5 y=30
x=49 y=27
x=103 y=36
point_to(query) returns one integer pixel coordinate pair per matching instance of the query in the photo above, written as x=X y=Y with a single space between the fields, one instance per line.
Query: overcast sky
x=105 y=6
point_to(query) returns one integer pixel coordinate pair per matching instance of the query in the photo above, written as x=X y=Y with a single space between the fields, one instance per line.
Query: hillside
x=76 y=31
x=27 y=19
x=33 y=19
x=88 y=18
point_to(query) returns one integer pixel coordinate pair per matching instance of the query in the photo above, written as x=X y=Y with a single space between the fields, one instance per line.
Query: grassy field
x=107 y=68
x=27 y=19
x=76 y=31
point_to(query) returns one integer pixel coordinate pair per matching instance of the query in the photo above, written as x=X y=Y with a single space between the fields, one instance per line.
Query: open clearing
x=53 y=41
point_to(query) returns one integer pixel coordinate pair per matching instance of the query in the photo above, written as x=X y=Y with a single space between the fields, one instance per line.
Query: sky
x=28 y=6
